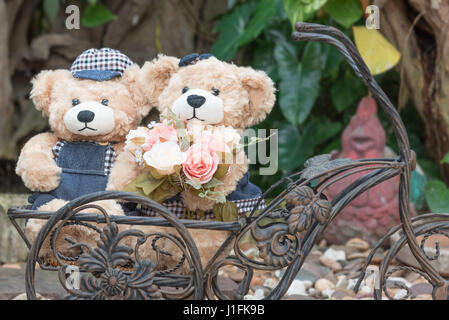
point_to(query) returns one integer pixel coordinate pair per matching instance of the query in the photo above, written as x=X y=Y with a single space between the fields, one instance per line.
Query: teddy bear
x=203 y=90
x=90 y=109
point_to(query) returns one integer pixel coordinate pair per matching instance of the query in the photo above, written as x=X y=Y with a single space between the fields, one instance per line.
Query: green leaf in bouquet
x=154 y=174
x=149 y=184
x=216 y=196
x=176 y=181
x=184 y=139
x=221 y=171
x=196 y=184
x=165 y=191
x=226 y=212
x=133 y=186
x=214 y=182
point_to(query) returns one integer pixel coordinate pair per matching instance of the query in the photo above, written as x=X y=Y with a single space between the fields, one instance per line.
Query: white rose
x=227 y=135
x=164 y=157
x=140 y=132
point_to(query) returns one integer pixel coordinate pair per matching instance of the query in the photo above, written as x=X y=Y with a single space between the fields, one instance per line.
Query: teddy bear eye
x=105 y=102
x=215 y=91
x=185 y=89
x=75 y=102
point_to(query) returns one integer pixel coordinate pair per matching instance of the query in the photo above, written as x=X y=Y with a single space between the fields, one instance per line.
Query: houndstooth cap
x=100 y=64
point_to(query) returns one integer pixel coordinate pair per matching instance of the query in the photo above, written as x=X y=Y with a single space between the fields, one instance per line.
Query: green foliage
x=348 y=90
x=302 y=10
x=445 y=158
x=51 y=9
x=232 y=28
x=96 y=15
x=317 y=93
x=345 y=12
x=437 y=196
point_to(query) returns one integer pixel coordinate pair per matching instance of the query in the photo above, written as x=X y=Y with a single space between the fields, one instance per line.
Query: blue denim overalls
x=83 y=172
x=245 y=190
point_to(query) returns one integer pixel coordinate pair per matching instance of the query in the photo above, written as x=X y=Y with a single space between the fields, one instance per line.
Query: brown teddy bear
x=91 y=109
x=202 y=89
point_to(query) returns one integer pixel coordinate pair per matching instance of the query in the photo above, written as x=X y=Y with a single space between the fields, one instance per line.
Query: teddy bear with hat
x=90 y=109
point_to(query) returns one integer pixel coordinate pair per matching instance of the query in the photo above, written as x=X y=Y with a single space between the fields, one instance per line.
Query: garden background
x=317 y=92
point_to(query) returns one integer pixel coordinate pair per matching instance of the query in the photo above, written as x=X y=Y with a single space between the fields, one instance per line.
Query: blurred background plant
x=317 y=91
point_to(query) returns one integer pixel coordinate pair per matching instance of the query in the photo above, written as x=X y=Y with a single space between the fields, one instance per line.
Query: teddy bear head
x=203 y=89
x=97 y=100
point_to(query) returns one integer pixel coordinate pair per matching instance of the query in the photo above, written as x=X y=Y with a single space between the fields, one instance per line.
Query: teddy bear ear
x=261 y=93
x=155 y=75
x=130 y=80
x=42 y=85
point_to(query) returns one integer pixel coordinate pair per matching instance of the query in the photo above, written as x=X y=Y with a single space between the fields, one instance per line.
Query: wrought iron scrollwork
x=106 y=279
x=279 y=242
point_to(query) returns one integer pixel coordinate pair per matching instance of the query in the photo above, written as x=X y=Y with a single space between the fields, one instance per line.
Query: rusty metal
x=298 y=215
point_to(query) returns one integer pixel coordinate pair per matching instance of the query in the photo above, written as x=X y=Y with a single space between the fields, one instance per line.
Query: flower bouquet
x=184 y=156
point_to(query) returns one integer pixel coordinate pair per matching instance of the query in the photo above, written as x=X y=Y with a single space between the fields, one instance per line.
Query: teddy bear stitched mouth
x=87 y=127
x=194 y=116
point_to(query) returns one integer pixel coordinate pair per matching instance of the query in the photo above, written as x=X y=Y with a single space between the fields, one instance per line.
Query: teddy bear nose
x=195 y=101
x=86 y=116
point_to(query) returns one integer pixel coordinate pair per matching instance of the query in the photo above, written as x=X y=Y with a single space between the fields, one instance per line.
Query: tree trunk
x=142 y=29
x=6 y=110
x=419 y=29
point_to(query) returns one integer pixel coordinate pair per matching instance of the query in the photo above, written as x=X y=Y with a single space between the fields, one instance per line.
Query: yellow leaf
x=376 y=51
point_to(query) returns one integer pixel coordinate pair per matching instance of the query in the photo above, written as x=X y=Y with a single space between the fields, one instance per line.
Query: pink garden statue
x=375 y=211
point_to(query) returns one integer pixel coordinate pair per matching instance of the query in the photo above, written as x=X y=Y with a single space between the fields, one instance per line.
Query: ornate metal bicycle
x=285 y=230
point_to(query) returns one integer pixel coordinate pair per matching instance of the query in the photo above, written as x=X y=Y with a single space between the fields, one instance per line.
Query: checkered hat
x=100 y=64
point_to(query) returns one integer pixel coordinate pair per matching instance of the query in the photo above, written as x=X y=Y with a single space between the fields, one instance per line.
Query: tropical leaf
x=231 y=28
x=299 y=82
x=345 y=12
x=301 y=10
x=96 y=15
x=347 y=91
x=264 y=11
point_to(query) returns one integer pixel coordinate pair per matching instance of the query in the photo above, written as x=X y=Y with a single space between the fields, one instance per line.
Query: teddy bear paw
x=43 y=180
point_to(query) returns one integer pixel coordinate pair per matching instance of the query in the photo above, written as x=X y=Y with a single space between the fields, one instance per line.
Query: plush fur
x=246 y=95
x=53 y=93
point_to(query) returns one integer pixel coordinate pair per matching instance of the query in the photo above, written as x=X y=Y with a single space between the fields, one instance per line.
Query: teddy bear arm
x=36 y=164
x=125 y=171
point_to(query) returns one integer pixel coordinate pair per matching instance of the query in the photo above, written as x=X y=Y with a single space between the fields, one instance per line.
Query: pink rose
x=201 y=163
x=161 y=132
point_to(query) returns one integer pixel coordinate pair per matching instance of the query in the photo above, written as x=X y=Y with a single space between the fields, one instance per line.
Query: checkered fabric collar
x=176 y=206
x=108 y=159
x=100 y=64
